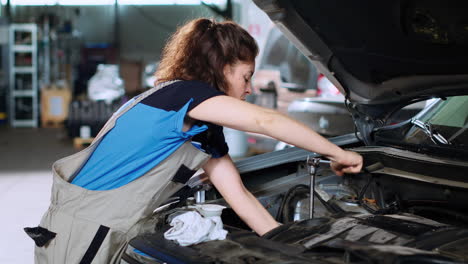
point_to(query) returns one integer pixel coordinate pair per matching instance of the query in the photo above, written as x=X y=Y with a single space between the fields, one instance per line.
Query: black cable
x=301 y=191
x=393 y=207
x=354 y=123
x=364 y=189
x=361 y=194
x=283 y=210
x=329 y=206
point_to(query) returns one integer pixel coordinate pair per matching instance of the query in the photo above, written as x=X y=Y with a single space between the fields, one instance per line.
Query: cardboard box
x=130 y=72
x=55 y=102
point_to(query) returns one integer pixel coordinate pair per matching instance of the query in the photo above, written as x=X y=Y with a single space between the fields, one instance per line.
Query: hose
x=300 y=191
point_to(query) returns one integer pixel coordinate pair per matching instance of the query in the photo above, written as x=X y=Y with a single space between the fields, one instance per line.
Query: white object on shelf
x=106 y=84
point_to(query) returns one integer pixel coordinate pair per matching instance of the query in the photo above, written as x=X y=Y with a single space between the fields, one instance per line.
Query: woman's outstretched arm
x=237 y=114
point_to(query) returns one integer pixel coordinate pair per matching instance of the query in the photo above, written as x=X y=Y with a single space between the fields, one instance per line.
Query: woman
x=154 y=144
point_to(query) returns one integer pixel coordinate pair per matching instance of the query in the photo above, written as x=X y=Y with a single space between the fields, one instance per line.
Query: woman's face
x=238 y=77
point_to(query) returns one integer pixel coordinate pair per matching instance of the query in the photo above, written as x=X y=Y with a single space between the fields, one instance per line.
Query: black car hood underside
x=381 y=54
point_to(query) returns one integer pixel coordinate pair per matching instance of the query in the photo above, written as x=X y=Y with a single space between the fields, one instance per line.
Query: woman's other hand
x=346 y=162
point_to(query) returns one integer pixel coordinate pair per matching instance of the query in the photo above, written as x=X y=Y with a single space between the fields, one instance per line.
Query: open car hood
x=381 y=55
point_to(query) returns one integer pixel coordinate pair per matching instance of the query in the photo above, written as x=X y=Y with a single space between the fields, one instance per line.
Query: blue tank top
x=147 y=134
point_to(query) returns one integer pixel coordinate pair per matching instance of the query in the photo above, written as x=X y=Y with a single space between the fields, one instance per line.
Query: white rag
x=191 y=228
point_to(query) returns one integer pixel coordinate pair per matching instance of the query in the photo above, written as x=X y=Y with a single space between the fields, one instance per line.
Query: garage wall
x=143 y=29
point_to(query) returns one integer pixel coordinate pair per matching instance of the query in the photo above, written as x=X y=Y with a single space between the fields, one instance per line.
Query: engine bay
x=396 y=211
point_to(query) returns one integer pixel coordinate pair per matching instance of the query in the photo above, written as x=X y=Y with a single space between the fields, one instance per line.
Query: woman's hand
x=346 y=162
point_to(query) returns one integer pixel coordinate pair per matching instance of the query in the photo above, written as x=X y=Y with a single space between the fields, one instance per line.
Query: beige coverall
x=95 y=226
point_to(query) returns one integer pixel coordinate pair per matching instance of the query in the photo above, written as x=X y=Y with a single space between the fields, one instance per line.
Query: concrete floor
x=26 y=156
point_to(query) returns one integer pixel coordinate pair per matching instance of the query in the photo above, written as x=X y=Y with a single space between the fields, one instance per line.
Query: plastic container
x=210 y=210
x=237 y=142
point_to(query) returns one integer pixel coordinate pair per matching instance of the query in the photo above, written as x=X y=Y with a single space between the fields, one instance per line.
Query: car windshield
x=445 y=122
x=281 y=54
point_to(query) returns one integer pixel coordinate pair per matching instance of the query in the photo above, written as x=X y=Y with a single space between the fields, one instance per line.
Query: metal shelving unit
x=4 y=68
x=23 y=92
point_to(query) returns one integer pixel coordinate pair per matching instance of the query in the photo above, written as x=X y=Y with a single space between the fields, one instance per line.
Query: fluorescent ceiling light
x=111 y=2
x=85 y=2
x=32 y=2
x=159 y=2
x=214 y=2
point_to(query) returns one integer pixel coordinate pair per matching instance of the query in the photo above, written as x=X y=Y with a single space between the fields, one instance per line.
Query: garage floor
x=26 y=156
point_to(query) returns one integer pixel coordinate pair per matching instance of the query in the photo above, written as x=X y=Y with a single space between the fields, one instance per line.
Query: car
x=327 y=113
x=283 y=73
x=408 y=205
x=288 y=82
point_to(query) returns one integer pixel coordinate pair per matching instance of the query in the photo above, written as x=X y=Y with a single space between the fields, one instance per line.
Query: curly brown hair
x=201 y=49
